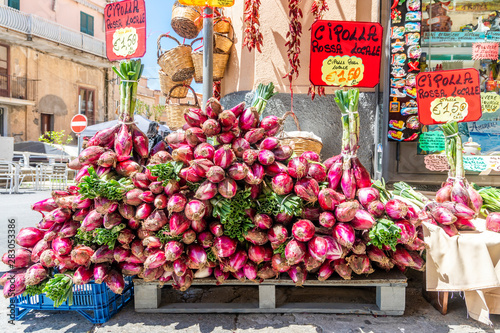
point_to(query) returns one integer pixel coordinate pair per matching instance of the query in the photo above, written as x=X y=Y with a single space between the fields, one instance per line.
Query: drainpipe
x=385 y=103
x=106 y=94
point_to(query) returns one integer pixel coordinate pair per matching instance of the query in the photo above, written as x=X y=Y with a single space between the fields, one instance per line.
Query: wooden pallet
x=390 y=297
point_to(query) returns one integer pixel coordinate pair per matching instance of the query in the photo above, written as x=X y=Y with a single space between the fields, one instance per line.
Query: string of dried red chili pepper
x=253 y=36
x=216 y=90
x=318 y=9
x=293 y=38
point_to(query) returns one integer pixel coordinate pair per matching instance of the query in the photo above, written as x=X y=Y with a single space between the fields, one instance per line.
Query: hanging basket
x=174 y=112
x=166 y=84
x=177 y=62
x=219 y=64
x=222 y=25
x=299 y=140
x=224 y=41
x=186 y=20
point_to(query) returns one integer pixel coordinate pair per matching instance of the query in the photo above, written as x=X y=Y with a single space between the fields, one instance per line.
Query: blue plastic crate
x=96 y=302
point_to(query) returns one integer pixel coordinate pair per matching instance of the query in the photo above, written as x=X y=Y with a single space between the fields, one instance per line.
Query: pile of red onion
x=330 y=236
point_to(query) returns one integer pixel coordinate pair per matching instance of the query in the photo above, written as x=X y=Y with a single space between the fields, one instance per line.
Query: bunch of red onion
x=223 y=151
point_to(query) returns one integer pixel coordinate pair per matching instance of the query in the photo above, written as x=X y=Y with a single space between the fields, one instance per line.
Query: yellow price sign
x=125 y=41
x=446 y=109
x=490 y=102
x=211 y=3
x=342 y=71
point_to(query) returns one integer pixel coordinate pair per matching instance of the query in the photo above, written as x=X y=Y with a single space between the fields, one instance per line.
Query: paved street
x=419 y=316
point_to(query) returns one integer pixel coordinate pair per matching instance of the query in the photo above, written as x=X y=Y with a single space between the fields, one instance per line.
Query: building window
x=14 y=4
x=87 y=103
x=46 y=122
x=86 y=24
x=4 y=71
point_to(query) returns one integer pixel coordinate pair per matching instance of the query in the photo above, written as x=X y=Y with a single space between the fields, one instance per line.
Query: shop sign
x=456 y=36
x=431 y=142
x=490 y=102
x=452 y=95
x=125 y=29
x=211 y=3
x=345 y=53
x=486 y=51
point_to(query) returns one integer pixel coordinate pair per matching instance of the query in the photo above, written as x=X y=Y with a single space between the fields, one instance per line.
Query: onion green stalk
x=491 y=199
x=59 y=289
x=130 y=72
x=453 y=149
x=262 y=95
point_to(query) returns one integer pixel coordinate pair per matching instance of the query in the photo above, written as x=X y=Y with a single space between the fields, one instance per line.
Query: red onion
x=270 y=143
x=344 y=234
x=197 y=255
x=327 y=219
x=270 y=123
x=173 y=250
x=298 y=274
x=346 y=211
x=224 y=246
x=297 y=167
x=211 y=127
x=256 y=236
x=250 y=270
x=275 y=168
x=183 y=154
x=248 y=119
x=240 y=145
x=204 y=150
x=238 y=171
x=396 y=209
x=303 y=230
x=282 y=184
x=227 y=188
x=255 y=174
x=215 y=174
x=224 y=156
x=342 y=268
x=194 y=117
x=318 y=248
x=237 y=261
x=266 y=157
x=226 y=137
x=334 y=175
x=28 y=237
x=317 y=171
x=363 y=220
x=254 y=135
x=360 y=264
x=258 y=254
x=206 y=191
x=283 y=153
x=328 y=199
x=250 y=156
x=216 y=228
x=195 y=210
x=295 y=252
x=263 y=221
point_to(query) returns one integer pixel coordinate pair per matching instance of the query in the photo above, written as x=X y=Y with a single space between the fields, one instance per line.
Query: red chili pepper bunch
x=216 y=90
x=293 y=38
x=253 y=36
x=318 y=8
x=313 y=90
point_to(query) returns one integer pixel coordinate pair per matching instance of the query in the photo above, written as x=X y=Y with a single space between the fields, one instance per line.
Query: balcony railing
x=17 y=87
x=34 y=25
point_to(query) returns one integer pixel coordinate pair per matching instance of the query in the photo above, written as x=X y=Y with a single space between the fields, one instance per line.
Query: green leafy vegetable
x=232 y=214
x=84 y=237
x=385 y=195
x=36 y=289
x=165 y=236
x=108 y=237
x=491 y=199
x=166 y=171
x=59 y=289
x=281 y=249
x=385 y=232
x=93 y=186
x=211 y=255
x=271 y=203
x=406 y=191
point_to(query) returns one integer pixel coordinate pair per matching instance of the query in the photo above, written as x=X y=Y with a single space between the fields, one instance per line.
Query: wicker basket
x=219 y=65
x=224 y=41
x=166 y=84
x=222 y=25
x=177 y=62
x=298 y=143
x=186 y=20
x=174 y=112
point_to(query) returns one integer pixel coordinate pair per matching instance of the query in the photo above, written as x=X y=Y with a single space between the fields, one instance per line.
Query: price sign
x=447 y=109
x=490 y=102
x=342 y=71
x=453 y=95
x=345 y=53
x=211 y=3
x=125 y=29
x=432 y=141
x=436 y=163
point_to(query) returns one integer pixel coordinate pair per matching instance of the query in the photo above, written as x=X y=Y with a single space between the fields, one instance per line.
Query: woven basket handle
x=160 y=51
x=194 y=41
x=196 y=102
x=231 y=28
x=294 y=117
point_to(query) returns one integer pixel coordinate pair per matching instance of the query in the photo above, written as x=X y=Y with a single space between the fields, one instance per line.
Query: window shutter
x=90 y=25
x=83 y=22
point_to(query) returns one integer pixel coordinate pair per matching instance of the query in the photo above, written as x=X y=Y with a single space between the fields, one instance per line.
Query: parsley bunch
x=165 y=236
x=93 y=186
x=108 y=236
x=231 y=213
x=385 y=232
x=166 y=171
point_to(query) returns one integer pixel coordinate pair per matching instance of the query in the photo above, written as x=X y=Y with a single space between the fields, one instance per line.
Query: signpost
x=453 y=95
x=125 y=29
x=78 y=123
x=345 y=53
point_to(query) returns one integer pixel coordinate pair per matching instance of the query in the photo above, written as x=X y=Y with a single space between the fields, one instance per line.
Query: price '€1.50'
x=342 y=71
x=125 y=41
x=447 y=109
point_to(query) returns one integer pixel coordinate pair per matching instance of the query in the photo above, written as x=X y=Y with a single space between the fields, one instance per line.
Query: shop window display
x=443 y=39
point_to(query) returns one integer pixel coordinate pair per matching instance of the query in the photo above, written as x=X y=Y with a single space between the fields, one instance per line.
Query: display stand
x=390 y=297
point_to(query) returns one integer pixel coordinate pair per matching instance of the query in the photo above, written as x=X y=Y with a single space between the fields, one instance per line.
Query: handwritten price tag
x=490 y=102
x=436 y=163
x=125 y=41
x=342 y=71
x=446 y=109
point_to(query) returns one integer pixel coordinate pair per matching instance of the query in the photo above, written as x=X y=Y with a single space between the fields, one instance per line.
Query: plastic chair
x=7 y=174
x=59 y=176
